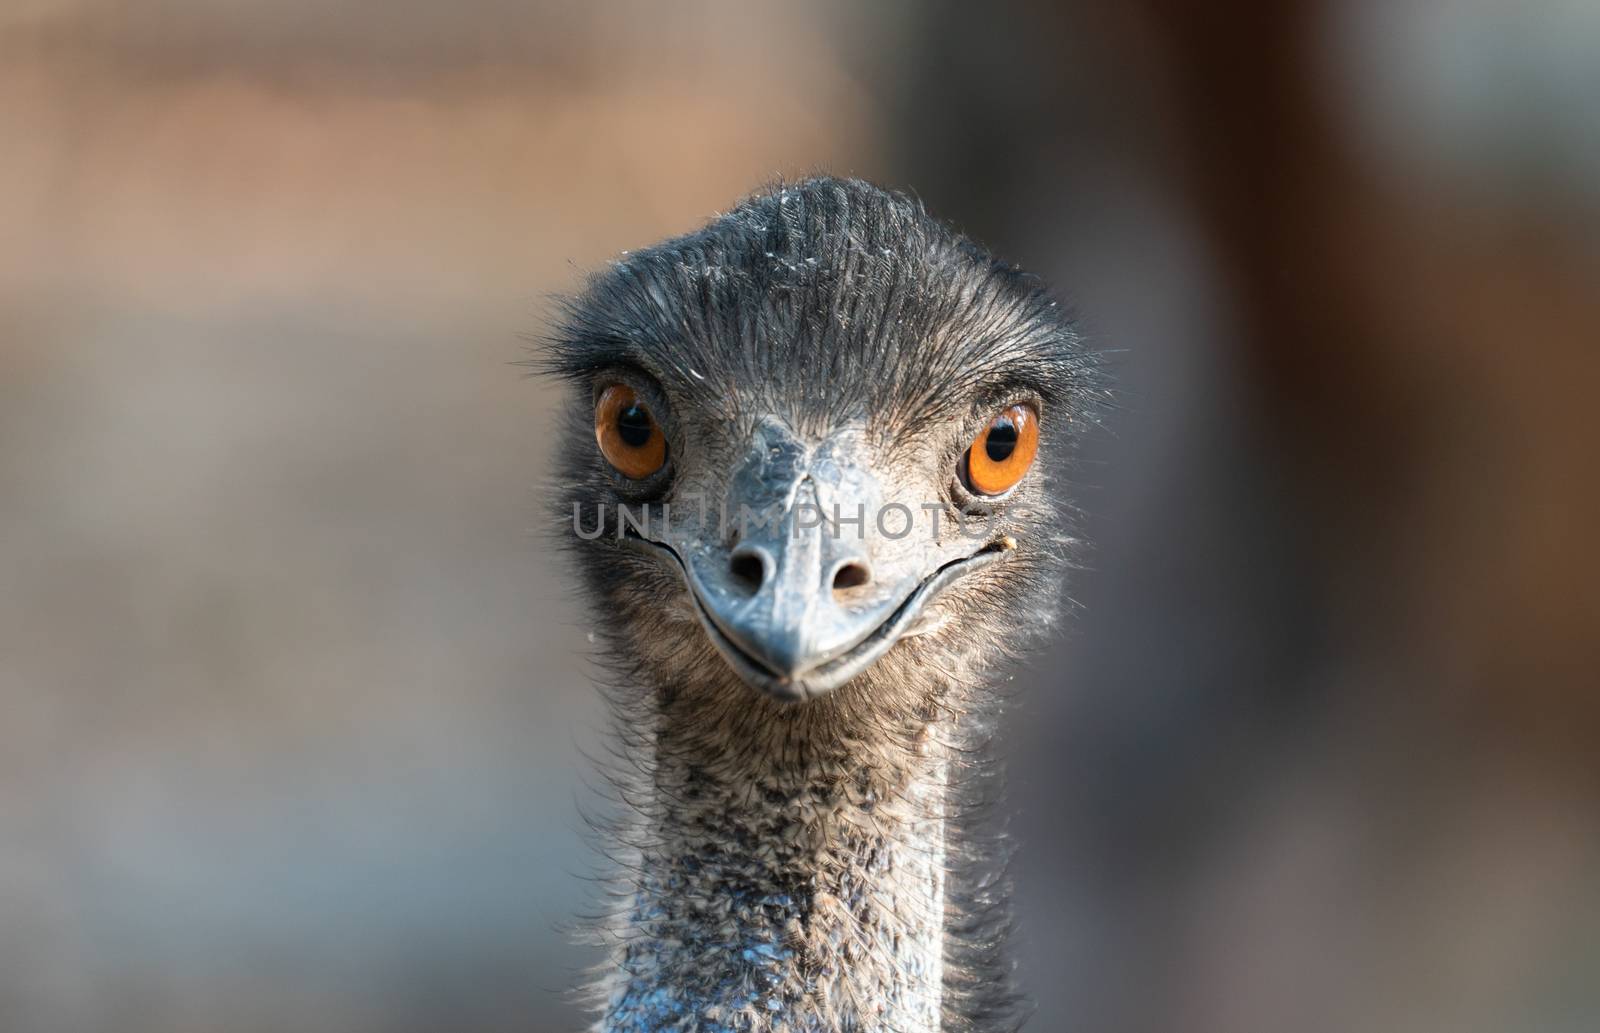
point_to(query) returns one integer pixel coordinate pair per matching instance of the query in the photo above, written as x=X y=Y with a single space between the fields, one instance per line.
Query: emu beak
x=812 y=589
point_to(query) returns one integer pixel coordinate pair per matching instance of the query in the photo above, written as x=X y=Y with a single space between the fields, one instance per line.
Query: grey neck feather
x=792 y=882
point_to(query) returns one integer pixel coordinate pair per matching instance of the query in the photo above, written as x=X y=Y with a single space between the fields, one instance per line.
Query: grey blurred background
x=293 y=693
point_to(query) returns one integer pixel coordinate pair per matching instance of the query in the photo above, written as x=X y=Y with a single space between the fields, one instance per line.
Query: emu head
x=807 y=451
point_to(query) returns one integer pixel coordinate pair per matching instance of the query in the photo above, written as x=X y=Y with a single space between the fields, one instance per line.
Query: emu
x=816 y=440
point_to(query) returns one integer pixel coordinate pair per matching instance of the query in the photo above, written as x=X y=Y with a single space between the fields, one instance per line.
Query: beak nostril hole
x=851 y=575
x=747 y=570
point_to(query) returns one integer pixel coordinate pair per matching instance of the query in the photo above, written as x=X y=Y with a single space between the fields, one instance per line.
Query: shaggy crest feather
x=831 y=865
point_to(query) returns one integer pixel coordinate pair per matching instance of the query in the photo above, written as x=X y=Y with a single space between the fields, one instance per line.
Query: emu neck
x=790 y=877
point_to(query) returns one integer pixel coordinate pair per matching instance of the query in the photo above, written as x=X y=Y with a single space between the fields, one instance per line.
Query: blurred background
x=293 y=694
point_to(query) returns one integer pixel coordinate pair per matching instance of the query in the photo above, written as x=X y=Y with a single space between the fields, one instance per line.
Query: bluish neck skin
x=741 y=974
x=795 y=906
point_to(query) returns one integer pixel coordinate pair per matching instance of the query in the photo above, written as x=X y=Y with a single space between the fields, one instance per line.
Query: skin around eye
x=628 y=434
x=1002 y=453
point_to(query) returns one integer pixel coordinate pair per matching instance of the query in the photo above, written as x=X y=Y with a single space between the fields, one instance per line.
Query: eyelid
x=627 y=375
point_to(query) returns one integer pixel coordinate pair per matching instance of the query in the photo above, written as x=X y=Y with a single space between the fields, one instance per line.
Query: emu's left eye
x=628 y=435
x=1002 y=453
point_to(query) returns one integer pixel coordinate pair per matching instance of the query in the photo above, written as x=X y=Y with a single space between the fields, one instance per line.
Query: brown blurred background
x=293 y=695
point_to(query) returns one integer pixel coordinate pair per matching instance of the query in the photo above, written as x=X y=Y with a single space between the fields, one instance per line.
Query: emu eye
x=628 y=435
x=1002 y=453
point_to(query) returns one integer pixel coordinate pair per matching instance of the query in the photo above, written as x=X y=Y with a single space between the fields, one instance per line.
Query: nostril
x=851 y=575
x=748 y=570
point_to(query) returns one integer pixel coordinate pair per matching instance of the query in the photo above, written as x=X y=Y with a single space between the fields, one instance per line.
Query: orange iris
x=628 y=434
x=1002 y=453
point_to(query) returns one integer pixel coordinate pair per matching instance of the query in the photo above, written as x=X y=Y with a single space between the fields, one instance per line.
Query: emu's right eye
x=628 y=434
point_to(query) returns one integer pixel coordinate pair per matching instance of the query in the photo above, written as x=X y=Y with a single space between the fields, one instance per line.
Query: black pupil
x=633 y=423
x=1002 y=440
